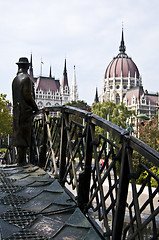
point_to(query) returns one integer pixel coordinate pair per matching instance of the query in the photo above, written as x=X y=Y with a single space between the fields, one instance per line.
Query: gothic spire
x=31 y=69
x=96 y=99
x=122 y=47
x=50 y=75
x=64 y=78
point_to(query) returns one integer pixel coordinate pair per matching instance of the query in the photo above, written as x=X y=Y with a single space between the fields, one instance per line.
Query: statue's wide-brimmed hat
x=23 y=60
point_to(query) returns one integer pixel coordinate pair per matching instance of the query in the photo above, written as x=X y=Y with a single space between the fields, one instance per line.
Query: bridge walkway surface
x=33 y=205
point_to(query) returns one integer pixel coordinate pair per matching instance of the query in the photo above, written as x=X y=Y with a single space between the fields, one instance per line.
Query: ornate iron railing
x=100 y=171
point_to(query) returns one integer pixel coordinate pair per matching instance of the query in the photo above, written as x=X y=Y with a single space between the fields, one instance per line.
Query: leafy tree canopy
x=80 y=104
x=118 y=114
x=5 y=117
x=149 y=133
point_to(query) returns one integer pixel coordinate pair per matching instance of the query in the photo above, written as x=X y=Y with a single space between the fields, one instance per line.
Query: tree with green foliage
x=149 y=133
x=118 y=114
x=5 y=117
x=80 y=104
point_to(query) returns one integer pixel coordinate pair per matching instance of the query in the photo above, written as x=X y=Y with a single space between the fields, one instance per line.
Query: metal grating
x=19 y=217
x=7 y=185
x=13 y=200
x=10 y=188
x=3 y=174
x=25 y=234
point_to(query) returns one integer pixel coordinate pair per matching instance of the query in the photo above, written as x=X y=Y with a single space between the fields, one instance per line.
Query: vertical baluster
x=122 y=195
x=43 y=147
x=85 y=176
x=63 y=146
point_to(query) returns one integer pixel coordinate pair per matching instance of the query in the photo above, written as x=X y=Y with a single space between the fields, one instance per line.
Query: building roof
x=122 y=64
x=151 y=98
x=138 y=92
x=46 y=84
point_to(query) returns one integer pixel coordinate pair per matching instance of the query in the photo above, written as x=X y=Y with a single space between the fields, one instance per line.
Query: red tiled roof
x=46 y=84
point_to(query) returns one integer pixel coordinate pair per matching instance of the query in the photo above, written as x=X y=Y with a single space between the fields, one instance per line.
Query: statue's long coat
x=23 y=107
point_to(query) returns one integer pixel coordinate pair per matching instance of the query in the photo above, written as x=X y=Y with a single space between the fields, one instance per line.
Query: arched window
x=117 y=99
x=48 y=104
x=39 y=104
x=134 y=100
x=143 y=100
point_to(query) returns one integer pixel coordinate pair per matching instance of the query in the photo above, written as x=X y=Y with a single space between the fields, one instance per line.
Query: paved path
x=33 y=205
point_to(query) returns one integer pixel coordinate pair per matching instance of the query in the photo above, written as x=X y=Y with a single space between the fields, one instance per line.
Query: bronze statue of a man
x=23 y=107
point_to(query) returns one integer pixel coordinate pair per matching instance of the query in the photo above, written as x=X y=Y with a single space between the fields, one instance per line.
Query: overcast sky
x=85 y=32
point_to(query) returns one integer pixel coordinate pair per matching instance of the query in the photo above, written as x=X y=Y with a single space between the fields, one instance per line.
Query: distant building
x=49 y=91
x=123 y=83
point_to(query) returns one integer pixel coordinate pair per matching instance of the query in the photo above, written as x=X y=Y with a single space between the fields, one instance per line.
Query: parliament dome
x=122 y=65
x=121 y=74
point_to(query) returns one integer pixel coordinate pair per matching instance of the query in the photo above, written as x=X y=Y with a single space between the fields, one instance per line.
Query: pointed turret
x=122 y=47
x=96 y=99
x=64 y=78
x=50 y=75
x=74 y=93
x=31 y=69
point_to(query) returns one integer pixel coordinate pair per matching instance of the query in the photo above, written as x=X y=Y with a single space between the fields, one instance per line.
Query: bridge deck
x=33 y=205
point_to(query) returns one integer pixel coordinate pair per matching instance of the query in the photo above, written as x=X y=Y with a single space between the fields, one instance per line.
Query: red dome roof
x=122 y=64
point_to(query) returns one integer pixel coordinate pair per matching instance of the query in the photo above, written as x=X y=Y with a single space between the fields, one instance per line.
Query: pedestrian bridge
x=79 y=184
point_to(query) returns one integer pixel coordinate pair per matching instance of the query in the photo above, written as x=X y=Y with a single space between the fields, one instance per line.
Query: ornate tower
x=120 y=75
x=65 y=92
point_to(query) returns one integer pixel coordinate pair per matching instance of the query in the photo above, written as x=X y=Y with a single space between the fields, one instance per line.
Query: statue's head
x=23 y=62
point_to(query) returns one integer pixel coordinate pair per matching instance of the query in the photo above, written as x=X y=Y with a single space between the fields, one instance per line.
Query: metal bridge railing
x=100 y=171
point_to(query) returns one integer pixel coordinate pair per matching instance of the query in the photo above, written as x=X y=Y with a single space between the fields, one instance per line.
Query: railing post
x=122 y=194
x=63 y=146
x=43 y=147
x=85 y=176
